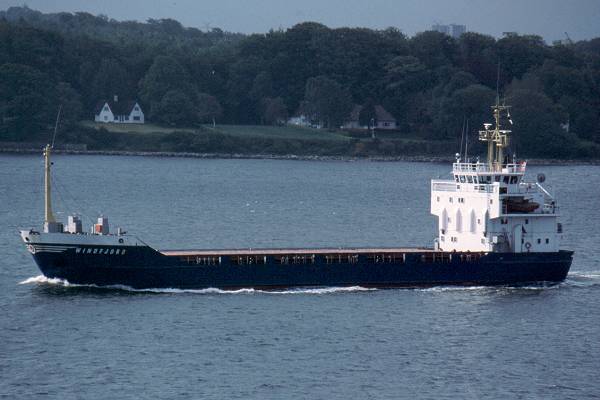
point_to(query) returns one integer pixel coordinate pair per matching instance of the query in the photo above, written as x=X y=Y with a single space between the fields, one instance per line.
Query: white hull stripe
x=35 y=248
x=39 y=248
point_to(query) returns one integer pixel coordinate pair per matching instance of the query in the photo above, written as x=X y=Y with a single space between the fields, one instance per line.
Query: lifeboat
x=520 y=205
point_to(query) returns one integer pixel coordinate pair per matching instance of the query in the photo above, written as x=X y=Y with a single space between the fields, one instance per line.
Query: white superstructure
x=488 y=207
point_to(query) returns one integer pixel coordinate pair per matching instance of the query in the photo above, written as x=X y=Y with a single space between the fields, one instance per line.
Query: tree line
x=430 y=82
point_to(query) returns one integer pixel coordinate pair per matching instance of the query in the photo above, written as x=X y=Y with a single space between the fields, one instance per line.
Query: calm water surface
x=67 y=342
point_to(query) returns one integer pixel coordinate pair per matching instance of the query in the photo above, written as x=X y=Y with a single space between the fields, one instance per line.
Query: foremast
x=48 y=215
x=50 y=223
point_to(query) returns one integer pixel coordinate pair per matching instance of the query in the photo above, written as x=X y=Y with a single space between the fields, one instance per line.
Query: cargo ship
x=494 y=228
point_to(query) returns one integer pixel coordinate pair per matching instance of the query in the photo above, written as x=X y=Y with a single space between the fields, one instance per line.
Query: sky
x=547 y=18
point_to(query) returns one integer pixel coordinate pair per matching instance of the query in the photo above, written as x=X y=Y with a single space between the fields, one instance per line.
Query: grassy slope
x=250 y=139
x=284 y=132
x=134 y=128
x=287 y=132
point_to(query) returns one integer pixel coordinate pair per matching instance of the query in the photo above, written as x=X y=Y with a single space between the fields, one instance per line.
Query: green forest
x=188 y=78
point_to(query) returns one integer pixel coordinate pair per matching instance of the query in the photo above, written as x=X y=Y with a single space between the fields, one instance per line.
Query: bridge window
x=456 y=178
x=497 y=178
x=469 y=179
x=514 y=179
x=506 y=179
x=462 y=179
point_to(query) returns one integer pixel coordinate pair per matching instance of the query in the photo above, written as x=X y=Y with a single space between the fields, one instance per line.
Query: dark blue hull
x=143 y=267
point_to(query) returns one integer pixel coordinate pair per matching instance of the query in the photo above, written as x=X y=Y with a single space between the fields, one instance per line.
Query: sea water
x=59 y=340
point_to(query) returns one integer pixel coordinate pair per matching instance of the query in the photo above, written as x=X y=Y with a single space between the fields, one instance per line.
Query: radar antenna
x=496 y=137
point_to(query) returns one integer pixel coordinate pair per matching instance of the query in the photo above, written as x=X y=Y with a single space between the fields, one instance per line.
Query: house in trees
x=119 y=112
x=384 y=120
x=301 y=119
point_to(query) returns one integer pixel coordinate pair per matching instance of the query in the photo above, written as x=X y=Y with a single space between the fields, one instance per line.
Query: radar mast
x=496 y=137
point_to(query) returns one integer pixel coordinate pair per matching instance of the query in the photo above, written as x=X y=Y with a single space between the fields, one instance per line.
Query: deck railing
x=485 y=168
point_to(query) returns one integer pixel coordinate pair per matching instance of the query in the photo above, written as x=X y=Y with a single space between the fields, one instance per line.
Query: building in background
x=454 y=30
x=441 y=28
x=119 y=112
x=384 y=121
x=457 y=30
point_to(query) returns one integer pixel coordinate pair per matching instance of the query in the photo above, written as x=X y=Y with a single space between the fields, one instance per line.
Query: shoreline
x=407 y=158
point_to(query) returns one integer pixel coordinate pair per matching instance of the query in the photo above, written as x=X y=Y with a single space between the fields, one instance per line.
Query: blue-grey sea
x=58 y=341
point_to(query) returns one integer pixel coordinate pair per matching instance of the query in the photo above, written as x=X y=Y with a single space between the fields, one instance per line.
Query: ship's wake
x=583 y=279
x=574 y=280
x=43 y=280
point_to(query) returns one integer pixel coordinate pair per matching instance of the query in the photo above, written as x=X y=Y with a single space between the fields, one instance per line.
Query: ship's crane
x=569 y=41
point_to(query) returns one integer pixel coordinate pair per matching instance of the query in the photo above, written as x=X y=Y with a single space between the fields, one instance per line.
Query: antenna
x=498 y=84
x=462 y=135
x=56 y=126
x=467 y=142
